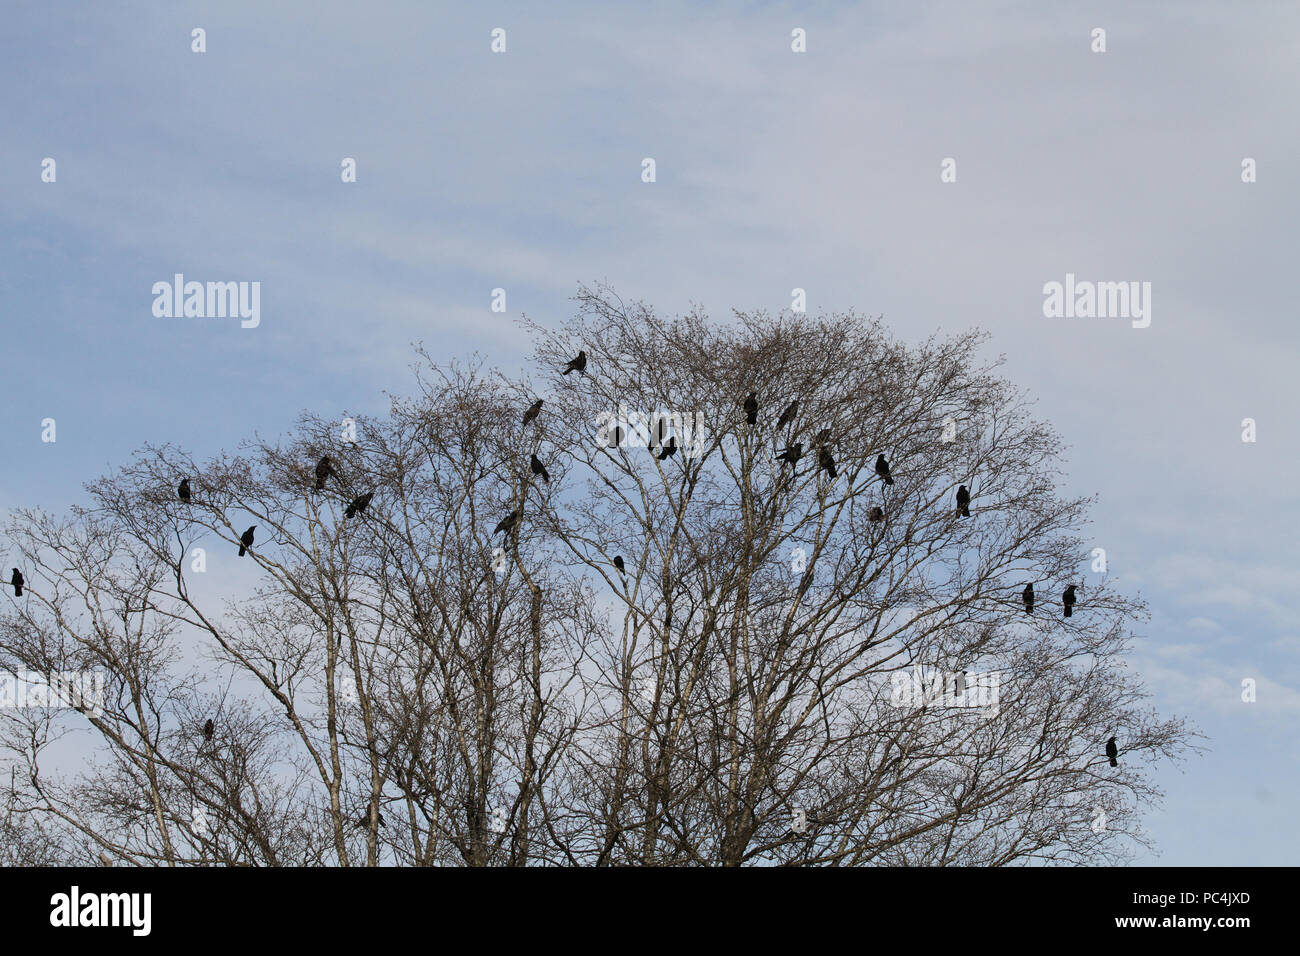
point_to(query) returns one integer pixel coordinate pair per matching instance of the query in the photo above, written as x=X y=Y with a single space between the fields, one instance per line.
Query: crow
x=365 y=821
x=792 y=454
x=507 y=523
x=208 y=729
x=539 y=469
x=246 y=541
x=876 y=514
x=824 y=460
x=822 y=438
x=578 y=364
x=668 y=450
x=1068 y=600
x=751 y=408
x=17 y=582
x=882 y=469
x=788 y=415
x=1112 y=752
x=534 y=410
x=1028 y=595
x=618 y=563
x=963 y=501
x=324 y=468
x=183 y=489
x=358 y=505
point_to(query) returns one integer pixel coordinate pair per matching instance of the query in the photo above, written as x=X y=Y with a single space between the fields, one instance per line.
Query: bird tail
x=18 y=590
x=241 y=550
x=965 y=511
x=566 y=371
x=1114 y=762
x=888 y=480
x=1069 y=611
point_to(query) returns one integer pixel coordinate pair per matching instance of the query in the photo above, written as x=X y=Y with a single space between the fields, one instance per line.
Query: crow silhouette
x=246 y=541
x=365 y=821
x=877 y=513
x=822 y=438
x=578 y=364
x=618 y=563
x=963 y=501
x=882 y=469
x=324 y=468
x=208 y=729
x=1068 y=600
x=1112 y=752
x=359 y=504
x=824 y=460
x=788 y=415
x=792 y=454
x=183 y=489
x=1028 y=595
x=507 y=523
x=751 y=408
x=17 y=581
x=539 y=469
x=534 y=410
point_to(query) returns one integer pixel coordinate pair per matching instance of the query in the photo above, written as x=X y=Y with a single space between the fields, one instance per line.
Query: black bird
x=246 y=541
x=668 y=450
x=876 y=514
x=324 y=468
x=534 y=410
x=792 y=454
x=963 y=501
x=882 y=469
x=208 y=729
x=751 y=408
x=578 y=364
x=17 y=582
x=618 y=563
x=1112 y=752
x=183 y=489
x=1028 y=595
x=824 y=460
x=1068 y=600
x=358 y=505
x=507 y=523
x=822 y=438
x=365 y=821
x=788 y=415
x=539 y=469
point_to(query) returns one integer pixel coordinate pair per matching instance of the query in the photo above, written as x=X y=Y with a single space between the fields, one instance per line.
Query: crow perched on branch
x=1112 y=752
x=618 y=563
x=578 y=364
x=538 y=468
x=1028 y=595
x=507 y=523
x=324 y=468
x=963 y=501
x=183 y=489
x=246 y=541
x=1068 y=600
x=824 y=460
x=882 y=469
x=17 y=582
x=359 y=504
x=751 y=408
x=534 y=410
x=788 y=415
x=208 y=729
x=792 y=454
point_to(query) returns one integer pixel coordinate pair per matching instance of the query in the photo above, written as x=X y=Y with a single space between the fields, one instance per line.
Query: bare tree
x=436 y=659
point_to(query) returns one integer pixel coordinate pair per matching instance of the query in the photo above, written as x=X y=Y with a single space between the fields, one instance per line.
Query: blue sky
x=775 y=170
